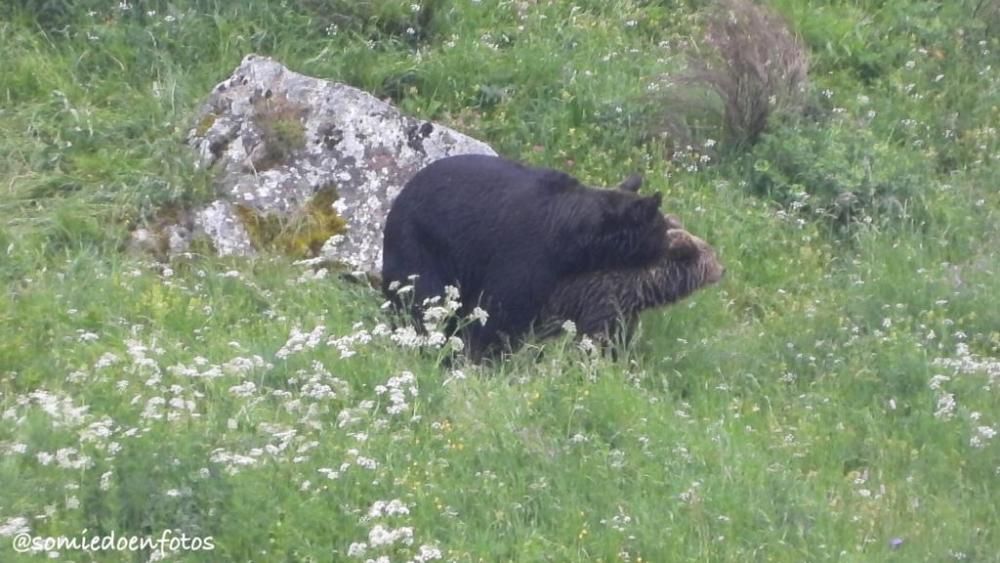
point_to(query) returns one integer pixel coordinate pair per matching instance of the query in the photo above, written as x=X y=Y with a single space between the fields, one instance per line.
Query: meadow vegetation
x=835 y=398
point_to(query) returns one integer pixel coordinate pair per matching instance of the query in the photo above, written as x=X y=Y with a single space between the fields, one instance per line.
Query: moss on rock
x=301 y=234
x=205 y=123
x=282 y=129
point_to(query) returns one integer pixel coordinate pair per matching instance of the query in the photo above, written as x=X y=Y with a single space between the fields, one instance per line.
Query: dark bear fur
x=505 y=234
x=603 y=303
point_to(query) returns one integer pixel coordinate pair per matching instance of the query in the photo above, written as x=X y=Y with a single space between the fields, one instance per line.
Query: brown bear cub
x=601 y=304
x=505 y=234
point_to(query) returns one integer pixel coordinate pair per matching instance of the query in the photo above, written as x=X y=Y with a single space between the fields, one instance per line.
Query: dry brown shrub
x=988 y=12
x=749 y=66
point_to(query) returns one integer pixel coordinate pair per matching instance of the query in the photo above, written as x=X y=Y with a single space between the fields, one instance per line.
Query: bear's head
x=690 y=263
x=598 y=301
x=694 y=257
x=627 y=228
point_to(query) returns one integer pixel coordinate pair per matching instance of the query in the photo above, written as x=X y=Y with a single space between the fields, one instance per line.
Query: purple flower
x=896 y=543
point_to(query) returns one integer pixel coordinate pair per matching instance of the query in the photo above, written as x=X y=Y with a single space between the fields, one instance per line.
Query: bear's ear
x=631 y=184
x=681 y=245
x=673 y=221
x=644 y=209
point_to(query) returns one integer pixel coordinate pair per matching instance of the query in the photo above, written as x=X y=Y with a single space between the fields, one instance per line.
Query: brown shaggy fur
x=600 y=304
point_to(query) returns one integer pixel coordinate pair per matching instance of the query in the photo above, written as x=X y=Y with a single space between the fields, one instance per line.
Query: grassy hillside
x=836 y=397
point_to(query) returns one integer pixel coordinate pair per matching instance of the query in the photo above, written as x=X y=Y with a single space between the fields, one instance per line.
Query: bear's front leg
x=515 y=299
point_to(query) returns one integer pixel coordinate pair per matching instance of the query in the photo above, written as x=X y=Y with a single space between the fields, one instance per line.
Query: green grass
x=793 y=413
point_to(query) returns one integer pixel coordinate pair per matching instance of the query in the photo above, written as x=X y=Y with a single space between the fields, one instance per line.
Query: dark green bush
x=839 y=170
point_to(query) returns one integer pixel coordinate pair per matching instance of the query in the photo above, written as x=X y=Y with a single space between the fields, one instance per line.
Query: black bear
x=600 y=304
x=504 y=234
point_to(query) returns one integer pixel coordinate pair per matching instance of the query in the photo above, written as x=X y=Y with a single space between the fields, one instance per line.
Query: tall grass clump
x=748 y=67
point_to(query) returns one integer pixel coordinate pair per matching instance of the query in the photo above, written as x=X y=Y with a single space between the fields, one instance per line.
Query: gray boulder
x=289 y=147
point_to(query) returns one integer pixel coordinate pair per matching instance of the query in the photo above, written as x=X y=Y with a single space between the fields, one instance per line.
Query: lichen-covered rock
x=222 y=226
x=279 y=138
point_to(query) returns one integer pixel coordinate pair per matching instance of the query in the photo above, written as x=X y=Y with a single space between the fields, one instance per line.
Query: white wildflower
x=946 y=406
x=14 y=526
x=106 y=360
x=569 y=327
x=105 y=483
x=427 y=553
x=478 y=314
x=983 y=435
x=357 y=549
x=382 y=536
